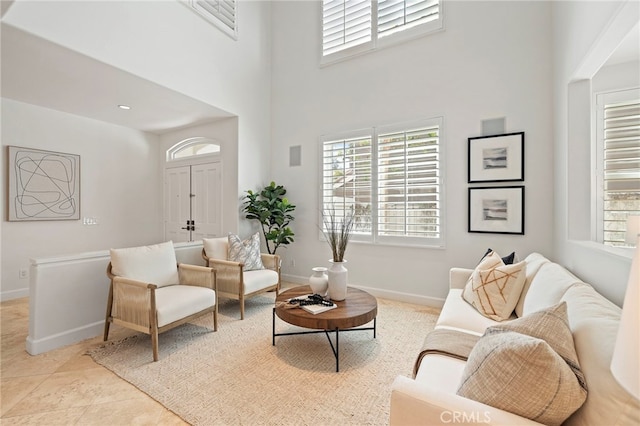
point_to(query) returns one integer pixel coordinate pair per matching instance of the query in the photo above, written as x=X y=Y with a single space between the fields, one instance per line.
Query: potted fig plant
x=274 y=212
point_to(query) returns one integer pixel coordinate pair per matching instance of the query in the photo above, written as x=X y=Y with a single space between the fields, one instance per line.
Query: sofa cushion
x=457 y=314
x=494 y=288
x=594 y=322
x=552 y=326
x=523 y=375
x=153 y=264
x=442 y=371
x=547 y=287
x=246 y=251
x=216 y=248
x=534 y=262
x=176 y=302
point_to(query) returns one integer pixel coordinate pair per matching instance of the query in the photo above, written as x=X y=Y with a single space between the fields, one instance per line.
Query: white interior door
x=206 y=204
x=177 y=203
x=193 y=202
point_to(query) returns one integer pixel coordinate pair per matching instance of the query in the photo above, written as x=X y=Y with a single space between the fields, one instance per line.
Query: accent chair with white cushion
x=235 y=278
x=151 y=293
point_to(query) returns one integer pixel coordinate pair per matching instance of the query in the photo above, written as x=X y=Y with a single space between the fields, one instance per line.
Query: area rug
x=235 y=376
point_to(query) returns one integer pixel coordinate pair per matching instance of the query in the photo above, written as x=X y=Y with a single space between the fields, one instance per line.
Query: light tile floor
x=65 y=386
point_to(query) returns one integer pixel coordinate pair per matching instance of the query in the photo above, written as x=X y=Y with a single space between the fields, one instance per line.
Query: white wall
x=492 y=60
x=165 y=43
x=584 y=35
x=119 y=171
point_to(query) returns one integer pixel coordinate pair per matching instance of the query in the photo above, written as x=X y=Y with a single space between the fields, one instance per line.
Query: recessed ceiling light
x=124 y=107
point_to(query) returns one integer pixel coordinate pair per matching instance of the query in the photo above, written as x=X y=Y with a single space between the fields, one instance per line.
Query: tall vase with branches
x=337 y=230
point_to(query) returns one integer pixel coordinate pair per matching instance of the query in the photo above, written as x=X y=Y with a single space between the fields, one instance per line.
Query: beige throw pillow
x=552 y=326
x=523 y=375
x=494 y=288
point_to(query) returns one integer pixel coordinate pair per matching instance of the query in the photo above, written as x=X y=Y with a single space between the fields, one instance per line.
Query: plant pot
x=319 y=280
x=338 y=277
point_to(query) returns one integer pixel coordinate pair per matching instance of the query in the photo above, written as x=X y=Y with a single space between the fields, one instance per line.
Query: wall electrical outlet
x=24 y=273
x=90 y=221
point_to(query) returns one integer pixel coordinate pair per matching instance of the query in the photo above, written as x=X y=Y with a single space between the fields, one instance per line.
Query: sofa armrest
x=414 y=403
x=458 y=277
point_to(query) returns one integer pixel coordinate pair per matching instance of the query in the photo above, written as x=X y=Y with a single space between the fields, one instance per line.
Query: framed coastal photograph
x=496 y=210
x=498 y=158
x=43 y=185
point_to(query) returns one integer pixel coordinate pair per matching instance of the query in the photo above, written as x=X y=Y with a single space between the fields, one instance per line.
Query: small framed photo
x=498 y=158
x=497 y=210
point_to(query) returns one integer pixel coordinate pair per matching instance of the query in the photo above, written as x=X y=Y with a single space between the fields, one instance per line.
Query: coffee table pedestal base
x=335 y=348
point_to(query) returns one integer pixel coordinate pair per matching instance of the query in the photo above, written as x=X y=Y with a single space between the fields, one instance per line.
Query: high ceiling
x=40 y=72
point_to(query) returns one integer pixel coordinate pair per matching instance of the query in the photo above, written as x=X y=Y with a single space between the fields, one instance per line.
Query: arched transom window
x=192 y=147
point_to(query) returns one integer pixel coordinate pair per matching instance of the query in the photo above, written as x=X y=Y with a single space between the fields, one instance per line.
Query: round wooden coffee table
x=359 y=308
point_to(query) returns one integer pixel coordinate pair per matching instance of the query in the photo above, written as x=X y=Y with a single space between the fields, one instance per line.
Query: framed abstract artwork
x=496 y=210
x=498 y=158
x=43 y=185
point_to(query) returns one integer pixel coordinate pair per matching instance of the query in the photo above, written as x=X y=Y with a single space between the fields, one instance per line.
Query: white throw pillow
x=246 y=252
x=494 y=288
x=153 y=264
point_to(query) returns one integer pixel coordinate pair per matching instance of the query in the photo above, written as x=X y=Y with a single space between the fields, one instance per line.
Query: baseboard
x=69 y=337
x=436 y=302
x=14 y=294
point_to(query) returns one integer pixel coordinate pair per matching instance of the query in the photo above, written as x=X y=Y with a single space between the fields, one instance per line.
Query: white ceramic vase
x=319 y=280
x=338 y=277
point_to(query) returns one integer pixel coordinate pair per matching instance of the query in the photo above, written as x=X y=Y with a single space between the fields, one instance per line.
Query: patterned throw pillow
x=523 y=375
x=246 y=252
x=494 y=288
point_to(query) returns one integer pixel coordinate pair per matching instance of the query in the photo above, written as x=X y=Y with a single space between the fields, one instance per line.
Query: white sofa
x=430 y=398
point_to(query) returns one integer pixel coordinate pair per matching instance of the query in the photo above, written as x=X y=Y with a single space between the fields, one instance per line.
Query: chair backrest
x=153 y=264
x=216 y=248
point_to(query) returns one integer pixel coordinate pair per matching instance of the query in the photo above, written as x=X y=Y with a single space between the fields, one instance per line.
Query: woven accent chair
x=151 y=293
x=233 y=281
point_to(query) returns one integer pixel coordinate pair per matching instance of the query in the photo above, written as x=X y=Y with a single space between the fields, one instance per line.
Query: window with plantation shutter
x=346 y=178
x=399 y=15
x=618 y=158
x=390 y=177
x=409 y=183
x=350 y=27
x=221 y=13
x=345 y=24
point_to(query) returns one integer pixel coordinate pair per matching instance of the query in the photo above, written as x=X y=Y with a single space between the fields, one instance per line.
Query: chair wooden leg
x=107 y=323
x=215 y=320
x=154 y=343
x=241 y=307
x=107 y=320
